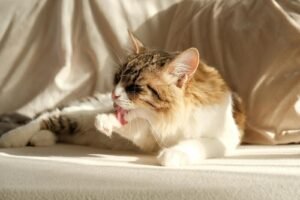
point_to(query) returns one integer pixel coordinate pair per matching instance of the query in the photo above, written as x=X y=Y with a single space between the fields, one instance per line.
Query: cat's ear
x=183 y=67
x=137 y=45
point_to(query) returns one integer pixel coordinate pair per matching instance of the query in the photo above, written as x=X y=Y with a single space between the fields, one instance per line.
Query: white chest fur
x=208 y=121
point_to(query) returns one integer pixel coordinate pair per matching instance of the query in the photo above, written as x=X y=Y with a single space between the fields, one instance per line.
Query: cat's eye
x=154 y=92
x=133 y=88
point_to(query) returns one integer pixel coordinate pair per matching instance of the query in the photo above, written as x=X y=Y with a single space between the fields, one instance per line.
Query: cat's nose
x=114 y=96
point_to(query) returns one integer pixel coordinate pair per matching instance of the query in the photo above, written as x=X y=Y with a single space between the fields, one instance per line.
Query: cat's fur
x=170 y=103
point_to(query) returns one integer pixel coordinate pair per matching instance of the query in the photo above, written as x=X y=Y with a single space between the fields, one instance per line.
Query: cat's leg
x=48 y=127
x=20 y=136
x=64 y=127
x=191 y=151
x=43 y=131
x=107 y=123
x=43 y=138
x=28 y=134
x=136 y=130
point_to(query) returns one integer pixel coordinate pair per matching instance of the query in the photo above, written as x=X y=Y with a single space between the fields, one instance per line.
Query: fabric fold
x=52 y=52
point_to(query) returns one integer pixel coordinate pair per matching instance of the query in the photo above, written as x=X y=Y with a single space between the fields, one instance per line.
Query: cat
x=168 y=103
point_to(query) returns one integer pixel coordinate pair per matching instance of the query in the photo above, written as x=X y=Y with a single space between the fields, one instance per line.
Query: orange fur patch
x=147 y=69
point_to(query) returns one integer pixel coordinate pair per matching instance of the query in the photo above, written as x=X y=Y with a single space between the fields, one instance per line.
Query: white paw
x=173 y=158
x=106 y=123
x=14 y=138
x=43 y=138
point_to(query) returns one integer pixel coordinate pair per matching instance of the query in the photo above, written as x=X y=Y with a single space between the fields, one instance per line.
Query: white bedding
x=76 y=172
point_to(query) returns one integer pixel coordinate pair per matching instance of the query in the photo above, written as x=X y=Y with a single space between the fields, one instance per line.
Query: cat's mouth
x=120 y=114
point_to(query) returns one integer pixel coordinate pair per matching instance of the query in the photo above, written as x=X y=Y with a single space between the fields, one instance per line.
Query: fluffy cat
x=169 y=103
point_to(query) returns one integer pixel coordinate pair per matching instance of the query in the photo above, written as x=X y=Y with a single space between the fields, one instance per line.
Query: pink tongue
x=120 y=113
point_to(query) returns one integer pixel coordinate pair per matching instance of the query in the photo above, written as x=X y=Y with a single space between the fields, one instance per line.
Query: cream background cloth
x=55 y=51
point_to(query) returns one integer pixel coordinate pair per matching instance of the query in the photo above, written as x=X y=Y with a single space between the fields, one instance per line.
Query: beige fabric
x=70 y=172
x=54 y=51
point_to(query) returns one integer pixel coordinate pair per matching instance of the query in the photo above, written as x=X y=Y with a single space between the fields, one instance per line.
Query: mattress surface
x=78 y=172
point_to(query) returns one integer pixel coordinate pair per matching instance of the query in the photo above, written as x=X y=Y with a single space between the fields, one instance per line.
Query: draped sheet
x=55 y=51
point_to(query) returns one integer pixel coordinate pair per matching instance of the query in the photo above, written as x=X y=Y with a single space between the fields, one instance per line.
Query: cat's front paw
x=105 y=123
x=172 y=157
x=13 y=138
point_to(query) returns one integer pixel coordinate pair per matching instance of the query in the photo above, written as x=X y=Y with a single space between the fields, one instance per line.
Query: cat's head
x=154 y=80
